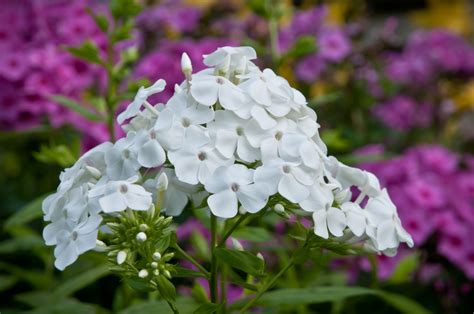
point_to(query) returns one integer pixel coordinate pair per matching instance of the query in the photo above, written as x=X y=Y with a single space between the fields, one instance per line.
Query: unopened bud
x=121 y=257
x=156 y=272
x=94 y=172
x=260 y=256
x=237 y=245
x=141 y=237
x=154 y=265
x=167 y=257
x=100 y=246
x=162 y=182
x=143 y=273
x=156 y=256
x=143 y=227
x=242 y=210
x=167 y=274
x=186 y=65
x=279 y=208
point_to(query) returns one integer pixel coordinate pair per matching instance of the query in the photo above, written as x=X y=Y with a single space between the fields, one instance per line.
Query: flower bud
x=121 y=257
x=96 y=174
x=186 y=66
x=141 y=237
x=154 y=265
x=167 y=257
x=143 y=227
x=167 y=274
x=279 y=208
x=162 y=182
x=156 y=256
x=100 y=246
x=242 y=210
x=237 y=245
x=260 y=256
x=143 y=273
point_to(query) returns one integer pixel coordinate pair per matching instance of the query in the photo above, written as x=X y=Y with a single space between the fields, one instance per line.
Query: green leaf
x=207 y=308
x=82 y=280
x=402 y=303
x=123 y=32
x=187 y=273
x=253 y=234
x=242 y=260
x=404 y=269
x=59 y=154
x=184 y=305
x=27 y=213
x=334 y=139
x=100 y=20
x=77 y=107
x=7 y=282
x=303 y=46
x=166 y=288
x=69 y=306
x=124 y=9
x=23 y=243
x=88 y=51
x=284 y=297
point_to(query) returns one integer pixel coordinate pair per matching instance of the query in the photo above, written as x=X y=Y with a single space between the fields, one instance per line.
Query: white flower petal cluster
x=232 y=134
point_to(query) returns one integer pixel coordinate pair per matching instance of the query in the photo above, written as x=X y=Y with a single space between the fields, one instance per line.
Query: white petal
x=253 y=197
x=270 y=176
x=226 y=142
x=219 y=181
x=112 y=203
x=205 y=90
x=386 y=235
x=51 y=231
x=263 y=118
x=223 y=204
x=230 y=96
x=151 y=154
x=86 y=242
x=269 y=149
x=175 y=201
x=336 y=221
x=245 y=151
x=186 y=168
x=320 y=226
x=66 y=257
x=292 y=190
x=138 y=201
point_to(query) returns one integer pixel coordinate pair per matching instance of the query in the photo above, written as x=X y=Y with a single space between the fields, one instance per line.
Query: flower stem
x=229 y=232
x=213 y=277
x=192 y=261
x=265 y=287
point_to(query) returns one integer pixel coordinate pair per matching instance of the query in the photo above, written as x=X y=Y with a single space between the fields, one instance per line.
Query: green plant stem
x=229 y=232
x=273 y=34
x=192 y=261
x=223 y=309
x=213 y=277
x=265 y=287
x=109 y=102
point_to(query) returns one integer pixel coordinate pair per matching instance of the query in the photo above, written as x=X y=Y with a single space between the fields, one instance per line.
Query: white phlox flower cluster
x=232 y=134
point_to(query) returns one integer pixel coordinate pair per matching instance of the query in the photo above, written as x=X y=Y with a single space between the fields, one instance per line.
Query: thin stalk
x=273 y=33
x=229 y=232
x=110 y=105
x=267 y=286
x=223 y=309
x=213 y=277
x=192 y=261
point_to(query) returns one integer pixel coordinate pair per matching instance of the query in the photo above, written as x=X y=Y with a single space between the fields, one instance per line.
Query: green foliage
x=253 y=234
x=404 y=270
x=124 y=9
x=207 y=308
x=303 y=46
x=87 y=51
x=242 y=260
x=59 y=154
x=77 y=107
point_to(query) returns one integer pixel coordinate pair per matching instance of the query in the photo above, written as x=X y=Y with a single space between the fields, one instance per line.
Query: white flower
x=382 y=216
x=331 y=218
x=150 y=153
x=207 y=89
x=186 y=65
x=143 y=93
x=121 y=159
x=115 y=196
x=290 y=179
x=74 y=239
x=225 y=57
x=320 y=196
x=231 y=185
x=230 y=134
x=355 y=217
x=196 y=161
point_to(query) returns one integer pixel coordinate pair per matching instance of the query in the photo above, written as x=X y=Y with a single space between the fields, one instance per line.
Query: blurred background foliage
x=392 y=83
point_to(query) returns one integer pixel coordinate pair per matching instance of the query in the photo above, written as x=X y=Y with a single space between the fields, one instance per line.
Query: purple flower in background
x=333 y=44
x=310 y=68
x=435 y=197
x=403 y=113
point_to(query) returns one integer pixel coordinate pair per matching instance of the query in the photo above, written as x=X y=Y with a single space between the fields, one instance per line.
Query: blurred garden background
x=392 y=83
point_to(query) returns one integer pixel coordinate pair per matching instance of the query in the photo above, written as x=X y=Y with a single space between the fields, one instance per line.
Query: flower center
x=234 y=187
x=152 y=134
x=123 y=189
x=286 y=169
x=186 y=122
x=74 y=235
x=278 y=135
x=220 y=80
x=126 y=153
x=202 y=156
x=240 y=131
x=263 y=78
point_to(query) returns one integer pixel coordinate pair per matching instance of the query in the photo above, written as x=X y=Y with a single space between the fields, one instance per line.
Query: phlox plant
x=234 y=143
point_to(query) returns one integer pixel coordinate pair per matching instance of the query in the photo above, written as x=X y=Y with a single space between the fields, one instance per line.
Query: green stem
x=213 y=277
x=267 y=286
x=192 y=260
x=109 y=102
x=229 y=232
x=273 y=34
